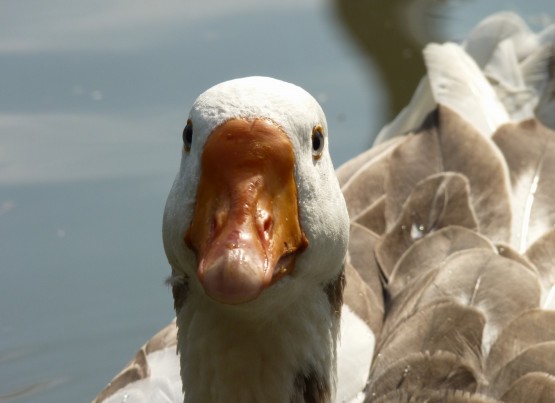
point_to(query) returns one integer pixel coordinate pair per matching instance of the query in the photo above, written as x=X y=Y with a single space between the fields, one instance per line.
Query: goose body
x=422 y=270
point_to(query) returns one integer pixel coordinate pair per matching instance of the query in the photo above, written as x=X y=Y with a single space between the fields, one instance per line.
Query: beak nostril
x=268 y=222
x=188 y=240
x=264 y=224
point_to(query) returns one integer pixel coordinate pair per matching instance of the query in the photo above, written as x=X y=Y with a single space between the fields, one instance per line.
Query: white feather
x=483 y=40
x=354 y=351
x=412 y=115
x=458 y=83
x=163 y=385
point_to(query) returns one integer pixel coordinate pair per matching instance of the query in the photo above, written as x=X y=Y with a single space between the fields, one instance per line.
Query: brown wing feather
x=449 y=144
x=366 y=185
x=462 y=303
x=436 y=202
x=537 y=358
x=431 y=251
x=363 y=291
x=534 y=387
x=414 y=372
x=530 y=328
x=442 y=326
x=529 y=149
x=373 y=216
x=542 y=254
x=434 y=396
x=351 y=167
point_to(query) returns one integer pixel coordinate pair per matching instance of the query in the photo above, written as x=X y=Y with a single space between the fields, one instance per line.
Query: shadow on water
x=391 y=34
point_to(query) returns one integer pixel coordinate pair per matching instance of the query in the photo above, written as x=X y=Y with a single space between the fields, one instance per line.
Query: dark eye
x=188 y=135
x=317 y=142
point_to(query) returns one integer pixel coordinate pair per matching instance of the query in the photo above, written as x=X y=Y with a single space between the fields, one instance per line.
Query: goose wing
x=462 y=208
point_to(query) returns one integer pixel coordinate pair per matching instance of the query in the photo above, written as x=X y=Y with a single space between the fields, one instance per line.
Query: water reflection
x=385 y=32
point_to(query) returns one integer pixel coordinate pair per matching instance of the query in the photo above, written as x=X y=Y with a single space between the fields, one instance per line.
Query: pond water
x=93 y=100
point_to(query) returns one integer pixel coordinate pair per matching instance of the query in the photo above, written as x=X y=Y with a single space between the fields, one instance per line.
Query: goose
x=256 y=232
x=422 y=270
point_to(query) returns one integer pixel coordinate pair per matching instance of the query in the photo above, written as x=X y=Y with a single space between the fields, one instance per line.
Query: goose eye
x=317 y=142
x=188 y=135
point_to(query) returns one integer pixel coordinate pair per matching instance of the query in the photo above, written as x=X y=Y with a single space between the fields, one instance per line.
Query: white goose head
x=255 y=208
x=256 y=231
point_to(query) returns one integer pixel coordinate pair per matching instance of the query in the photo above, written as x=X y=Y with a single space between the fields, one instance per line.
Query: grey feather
x=363 y=292
x=431 y=251
x=361 y=255
x=433 y=396
x=442 y=326
x=537 y=358
x=498 y=287
x=413 y=160
x=529 y=149
x=366 y=185
x=449 y=144
x=362 y=300
x=349 y=168
x=542 y=254
x=414 y=372
x=373 y=217
x=534 y=387
x=510 y=253
x=436 y=202
x=474 y=277
x=530 y=328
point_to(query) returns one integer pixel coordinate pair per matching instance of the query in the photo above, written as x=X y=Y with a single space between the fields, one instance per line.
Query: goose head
x=256 y=231
x=255 y=214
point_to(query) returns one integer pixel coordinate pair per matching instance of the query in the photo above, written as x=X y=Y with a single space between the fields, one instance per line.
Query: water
x=93 y=100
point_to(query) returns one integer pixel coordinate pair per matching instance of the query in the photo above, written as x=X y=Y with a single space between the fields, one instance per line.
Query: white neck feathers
x=227 y=356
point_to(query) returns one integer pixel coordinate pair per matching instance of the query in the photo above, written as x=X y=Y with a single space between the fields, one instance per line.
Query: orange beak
x=245 y=229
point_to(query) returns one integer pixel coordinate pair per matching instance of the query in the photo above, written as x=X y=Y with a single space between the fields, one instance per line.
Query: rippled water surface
x=93 y=100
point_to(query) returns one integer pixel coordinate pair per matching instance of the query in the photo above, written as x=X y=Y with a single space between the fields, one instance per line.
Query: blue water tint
x=93 y=100
x=82 y=282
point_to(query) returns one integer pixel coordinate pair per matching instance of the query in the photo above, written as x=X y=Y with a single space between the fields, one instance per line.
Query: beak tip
x=231 y=283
